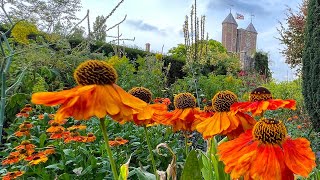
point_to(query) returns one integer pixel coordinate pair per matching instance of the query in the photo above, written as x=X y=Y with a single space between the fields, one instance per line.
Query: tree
x=292 y=37
x=261 y=64
x=213 y=46
x=311 y=64
x=49 y=15
x=100 y=29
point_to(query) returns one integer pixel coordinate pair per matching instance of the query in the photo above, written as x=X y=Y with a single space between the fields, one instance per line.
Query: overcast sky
x=159 y=22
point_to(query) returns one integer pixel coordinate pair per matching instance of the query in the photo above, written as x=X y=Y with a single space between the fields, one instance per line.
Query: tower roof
x=230 y=19
x=251 y=28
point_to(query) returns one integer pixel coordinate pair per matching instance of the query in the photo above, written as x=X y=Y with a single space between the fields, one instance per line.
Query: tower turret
x=251 y=43
x=229 y=33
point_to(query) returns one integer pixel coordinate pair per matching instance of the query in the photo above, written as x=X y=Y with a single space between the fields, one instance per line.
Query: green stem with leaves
x=151 y=153
x=109 y=152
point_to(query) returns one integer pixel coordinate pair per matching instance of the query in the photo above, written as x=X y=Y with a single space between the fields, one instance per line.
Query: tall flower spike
x=183 y=117
x=260 y=100
x=151 y=114
x=224 y=121
x=95 y=95
x=266 y=152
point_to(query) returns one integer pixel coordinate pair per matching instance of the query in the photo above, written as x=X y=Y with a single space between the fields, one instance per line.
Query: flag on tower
x=239 y=16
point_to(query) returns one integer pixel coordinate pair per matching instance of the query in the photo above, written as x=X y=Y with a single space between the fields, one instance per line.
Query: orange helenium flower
x=265 y=153
x=11 y=159
x=38 y=159
x=96 y=95
x=90 y=138
x=224 y=121
x=74 y=136
x=55 y=127
x=22 y=132
x=12 y=175
x=27 y=145
x=118 y=141
x=77 y=127
x=59 y=135
x=183 y=117
x=26 y=124
x=261 y=100
x=49 y=150
x=152 y=112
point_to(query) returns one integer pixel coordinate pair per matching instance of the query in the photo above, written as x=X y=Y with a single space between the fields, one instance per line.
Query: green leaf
x=142 y=174
x=191 y=168
x=68 y=152
x=42 y=139
x=124 y=170
x=86 y=170
x=64 y=176
x=206 y=167
x=54 y=166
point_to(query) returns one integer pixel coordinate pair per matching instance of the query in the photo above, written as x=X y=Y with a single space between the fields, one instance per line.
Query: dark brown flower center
x=223 y=100
x=184 y=100
x=260 y=94
x=55 y=124
x=95 y=72
x=269 y=131
x=142 y=93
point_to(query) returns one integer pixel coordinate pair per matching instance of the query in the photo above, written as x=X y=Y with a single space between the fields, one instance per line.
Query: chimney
x=148 y=47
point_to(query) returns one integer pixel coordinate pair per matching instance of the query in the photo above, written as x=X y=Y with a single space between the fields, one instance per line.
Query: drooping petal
x=266 y=165
x=128 y=99
x=56 y=98
x=298 y=156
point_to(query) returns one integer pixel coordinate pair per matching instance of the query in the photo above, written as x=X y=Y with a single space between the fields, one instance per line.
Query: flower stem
x=151 y=153
x=109 y=152
x=186 y=143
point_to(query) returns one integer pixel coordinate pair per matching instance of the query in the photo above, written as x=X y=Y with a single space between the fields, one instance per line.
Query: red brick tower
x=229 y=33
x=251 y=39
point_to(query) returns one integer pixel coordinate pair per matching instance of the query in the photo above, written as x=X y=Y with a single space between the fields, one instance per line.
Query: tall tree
x=261 y=64
x=311 y=64
x=49 y=15
x=292 y=35
x=100 y=29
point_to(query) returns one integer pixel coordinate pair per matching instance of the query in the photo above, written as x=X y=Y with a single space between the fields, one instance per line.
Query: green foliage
x=311 y=63
x=191 y=167
x=149 y=74
x=208 y=86
x=178 y=52
x=22 y=30
x=261 y=64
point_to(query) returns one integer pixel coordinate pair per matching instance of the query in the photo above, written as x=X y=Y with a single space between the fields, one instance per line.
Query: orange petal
x=299 y=156
x=128 y=99
x=266 y=165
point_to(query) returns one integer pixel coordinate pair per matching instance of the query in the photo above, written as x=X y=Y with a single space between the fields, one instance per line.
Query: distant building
x=240 y=41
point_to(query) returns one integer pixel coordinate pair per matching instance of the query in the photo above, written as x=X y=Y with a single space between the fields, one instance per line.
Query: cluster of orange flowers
x=24 y=129
x=26 y=151
x=57 y=131
x=257 y=150
x=24 y=112
x=12 y=175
